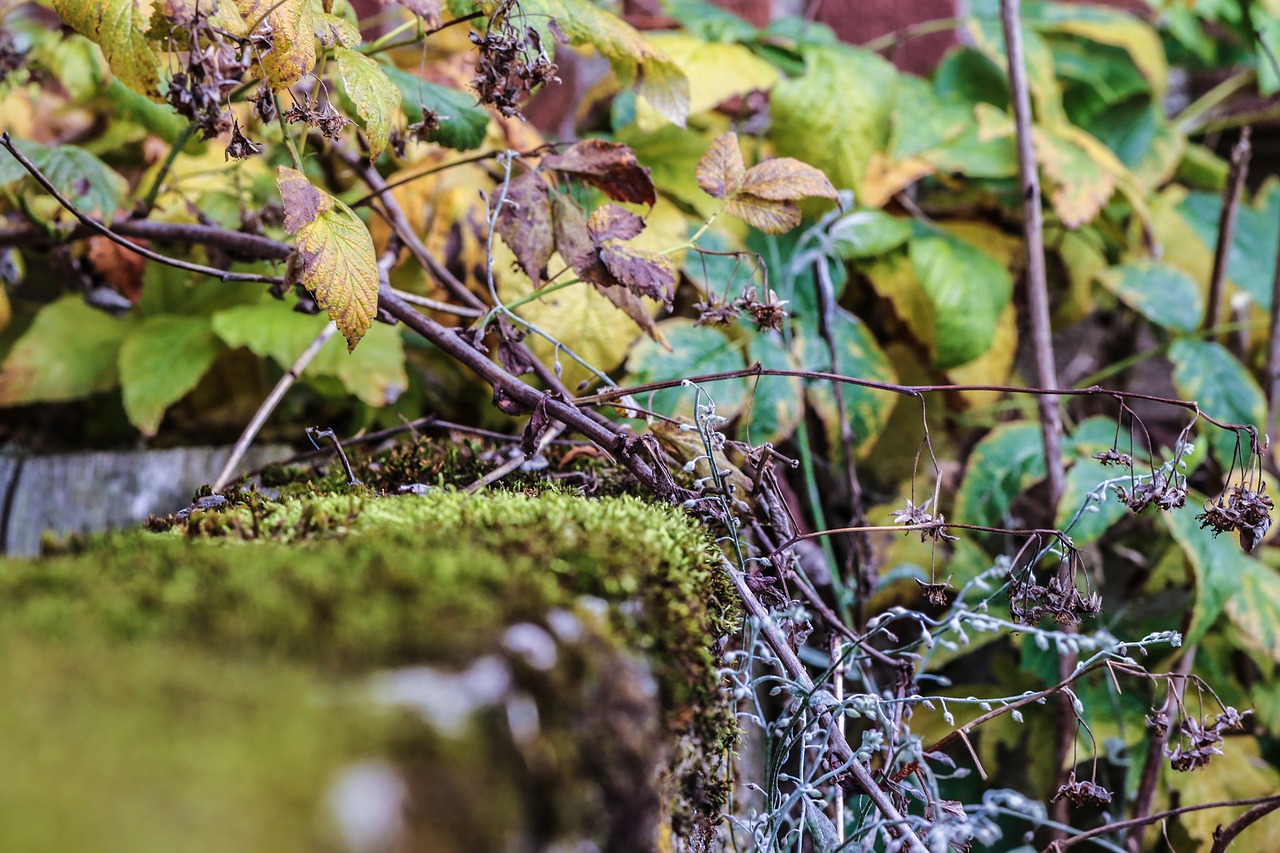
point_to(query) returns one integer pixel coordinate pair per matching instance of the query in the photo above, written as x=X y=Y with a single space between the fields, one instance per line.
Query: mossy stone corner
x=347 y=671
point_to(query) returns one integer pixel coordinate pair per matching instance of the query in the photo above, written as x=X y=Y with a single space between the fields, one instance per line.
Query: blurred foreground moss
x=503 y=672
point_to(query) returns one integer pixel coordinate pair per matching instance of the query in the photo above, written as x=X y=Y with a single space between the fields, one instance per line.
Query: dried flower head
x=240 y=145
x=1161 y=492
x=216 y=64
x=513 y=62
x=1240 y=509
x=1083 y=793
x=1111 y=456
x=934 y=593
x=932 y=525
x=713 y=311
x=768 y=313
x=1029 y=601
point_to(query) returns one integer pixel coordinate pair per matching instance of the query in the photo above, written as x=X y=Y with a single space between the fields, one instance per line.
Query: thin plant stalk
x=1037 y=277
x=1227 y=227
x=269 y=405
x=1273 y=349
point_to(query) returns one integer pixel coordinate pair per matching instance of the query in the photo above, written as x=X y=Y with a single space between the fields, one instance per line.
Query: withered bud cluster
x=216 y=64
x=1240 y=509
x=1083 y=793
x=932 y=525
x=768 y=313
x=513 y=62
x=1200 y=739
x=1163 y=493
x=320 y=115
x=1111 y=456
x=1029 y=602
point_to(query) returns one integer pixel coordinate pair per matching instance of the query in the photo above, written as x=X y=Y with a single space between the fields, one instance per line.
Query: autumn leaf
x=610 y=222
x=121 y=268
x=769 y=215
x=574 y=243
x=427 y=10
x=377 y=99
x=786 y=179
x=524 y=222
x=332 y=30
x=721 y=170
x=610 y=167
x=119 y=27
x=335 y=254
x=291 y=26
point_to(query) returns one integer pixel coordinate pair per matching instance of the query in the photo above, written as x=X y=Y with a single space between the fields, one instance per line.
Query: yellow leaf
x=786 y=179
x=769 y=215
x=1241 y=773
x=376 y=98
x=993 y=366
x=578 y=315
x=716 y=71
x=886 y=178
x=335 y=254
x=721 y=170
x=291 y=24
x=1119 y=29
x=1079 y=185
x=119 y=27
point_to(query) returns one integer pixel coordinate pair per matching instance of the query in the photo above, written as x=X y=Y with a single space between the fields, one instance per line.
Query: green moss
x=342 y=585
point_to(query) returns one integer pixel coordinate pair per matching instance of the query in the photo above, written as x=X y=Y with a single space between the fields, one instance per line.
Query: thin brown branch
x=1121 y=825
x=1156 y=743
x=96 y=226
x=1033 y=226
x=1240 y=154
x=1273 y=348
x=1224 y=835
x=907 y=390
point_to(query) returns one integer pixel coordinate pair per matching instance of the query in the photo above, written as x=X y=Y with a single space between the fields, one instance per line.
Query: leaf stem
x=1240 y=154
x=284 y=134
x=174 y=150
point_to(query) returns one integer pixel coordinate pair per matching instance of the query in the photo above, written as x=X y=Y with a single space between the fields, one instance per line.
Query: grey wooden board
x=87 y=492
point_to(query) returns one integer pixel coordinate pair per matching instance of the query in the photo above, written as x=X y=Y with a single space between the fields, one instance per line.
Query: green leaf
x=374 y=372
x=694 y=351
x=867 y=234
x=335 y=254
x=1207 y=373
x=68 y=353
x=377 y=99
x=1097 y=517
x=1251 y=258
x=658 y=79
x=463 y=123
x=1220 y=566
x=772 y=410
x=968 y=75
x=857 y=356
x=1109 y=27
x=1163 y=294
x=836 y=115
x=1007 y=460
x=162 y=359
x=968 y=290
x=119 y=27
x=91 y=185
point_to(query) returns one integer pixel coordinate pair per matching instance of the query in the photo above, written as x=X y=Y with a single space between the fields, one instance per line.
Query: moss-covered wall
x=501 y=672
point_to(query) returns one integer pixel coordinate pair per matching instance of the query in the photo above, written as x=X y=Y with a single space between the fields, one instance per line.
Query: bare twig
x=1119 y=826
x=1273 y=349
x=96 y=226
x=1240 y=154
x=512 y=464
x=1224 y=835
x=268 y=406
x=1037 y=279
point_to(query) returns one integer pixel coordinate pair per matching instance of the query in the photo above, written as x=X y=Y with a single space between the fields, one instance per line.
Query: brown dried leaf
x=535 y=429
x=610 y=222
x=610 y=167
x=574 y=243
x=525 y=222
x=769 y=215
x=635 y=308
x=721 y=170
x=642 y=272
x=119 y=267
x=786 y=179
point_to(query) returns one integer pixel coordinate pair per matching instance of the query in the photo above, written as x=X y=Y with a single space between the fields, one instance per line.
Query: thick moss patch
x=176 y=657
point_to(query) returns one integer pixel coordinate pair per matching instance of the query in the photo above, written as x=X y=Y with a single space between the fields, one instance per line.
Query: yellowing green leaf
x=377 y=99
x=160 y=361
x=1163 y=294
x=332 y=30
x=335 y=254
x=717 y=71
x=635 y=60
x=772 y=410
x=90 y=184
x=1208 y=373
x=1008 y=460
x=1079 y=185
x=837 y=113
x=1113 y=27
x=119 y=27
x=293 y=38
x=969 y=291
x=68 y=353
x=694 y=351
x=1239 y=774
